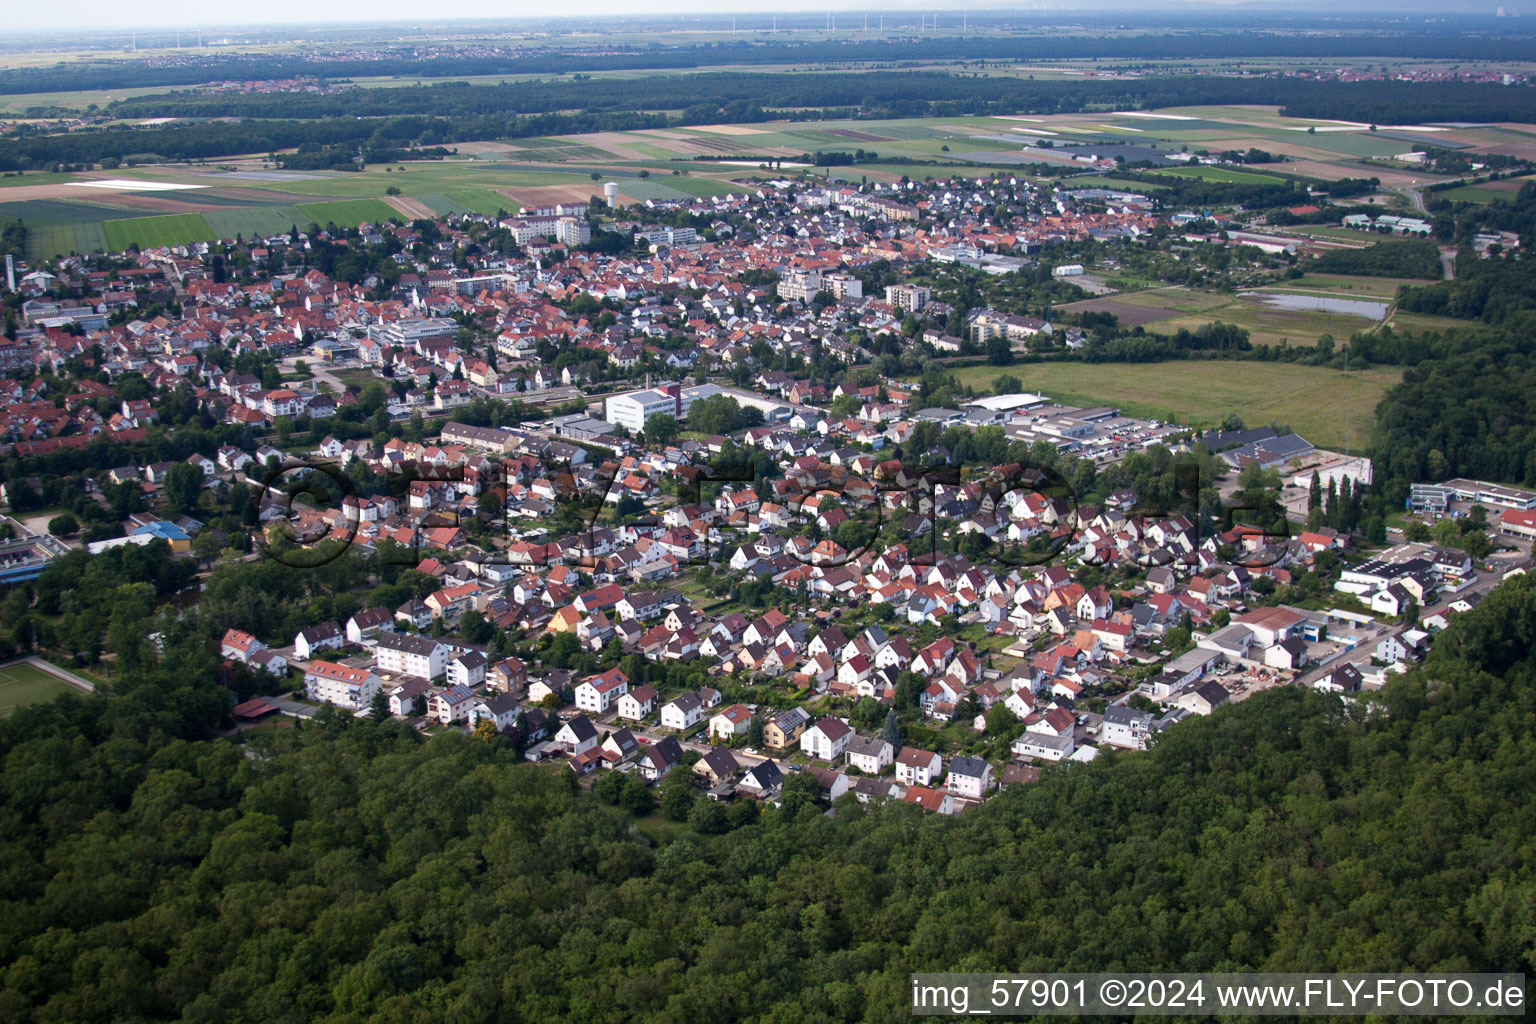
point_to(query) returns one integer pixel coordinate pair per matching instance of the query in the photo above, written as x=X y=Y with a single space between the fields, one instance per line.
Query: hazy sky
x=97 y=16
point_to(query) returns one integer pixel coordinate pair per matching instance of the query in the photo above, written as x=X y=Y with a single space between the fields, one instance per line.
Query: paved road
x=1415 y=197
x=1448 y=262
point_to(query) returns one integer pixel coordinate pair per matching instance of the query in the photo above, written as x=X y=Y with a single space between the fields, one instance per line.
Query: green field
x=167 y=229
x=1226 y=174
x=1320 y=404
x=1349 y=286
x=1419 y=323
x=23 y=684
x=1266 y=325
x=1474 y=194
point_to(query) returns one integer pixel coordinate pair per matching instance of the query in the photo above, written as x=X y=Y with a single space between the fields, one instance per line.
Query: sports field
x=1327 y=407
x=23 y=684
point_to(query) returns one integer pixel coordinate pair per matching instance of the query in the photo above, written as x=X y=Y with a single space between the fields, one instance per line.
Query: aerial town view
x=663 y=513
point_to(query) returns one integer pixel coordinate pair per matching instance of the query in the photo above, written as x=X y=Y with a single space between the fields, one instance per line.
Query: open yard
x=22 y=684
x=1327 y=407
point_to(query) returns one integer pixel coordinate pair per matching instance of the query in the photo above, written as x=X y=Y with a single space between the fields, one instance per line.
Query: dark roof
x=721 y=763
x=582 y=728
x=663 y=753
x=765 y=775
x=973 y=767
x=866 y=745
x=407 y=643
x=1213 y=693
x=1221 y=440
x=501 y=703
x=1119 y=714
x=370 y=617
x=686 y=701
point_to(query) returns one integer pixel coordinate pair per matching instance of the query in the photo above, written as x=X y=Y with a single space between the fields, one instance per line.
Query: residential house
x=638 y=703
x=340 y=685
x=917 y=767
x=595 y=694
x=659 y=759
x=501 y=711
x=717 y=766
x=762 y=781
x=826 y=740
x=870 y=755
x=577 y=736
x=681 y=712
x=1203 y=698
x=733 y=721
x=467 y=668
x=936 y=800
x=1126 y=727
x=405 y=654
x=969 y=777
x=238 y=646
x=450 y=705
x=368 y=623
x=407 y=698
x=784 y=729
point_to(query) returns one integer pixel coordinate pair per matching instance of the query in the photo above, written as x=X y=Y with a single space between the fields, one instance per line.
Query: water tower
x=611 y=193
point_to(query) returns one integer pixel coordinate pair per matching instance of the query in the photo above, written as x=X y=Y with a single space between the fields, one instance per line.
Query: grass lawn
x=1472 y=194
x=1206 y=173
x=1421 y=322
x=660 y=828
x=1320 y=404
x=1348 y=286
x=26 y=684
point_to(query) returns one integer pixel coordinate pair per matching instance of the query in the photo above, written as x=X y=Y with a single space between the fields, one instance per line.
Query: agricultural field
x=490 y=176
x=1328 y=407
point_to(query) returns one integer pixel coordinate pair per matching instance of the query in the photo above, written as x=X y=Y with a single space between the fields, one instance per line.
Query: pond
x=1321 y=304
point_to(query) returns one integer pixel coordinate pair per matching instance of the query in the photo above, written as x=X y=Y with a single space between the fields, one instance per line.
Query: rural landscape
x=798 y=516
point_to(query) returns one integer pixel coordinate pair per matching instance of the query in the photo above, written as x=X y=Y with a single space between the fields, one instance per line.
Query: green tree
x=708 y=818
x=661 y=429
x=677 y=799
x=183 y=486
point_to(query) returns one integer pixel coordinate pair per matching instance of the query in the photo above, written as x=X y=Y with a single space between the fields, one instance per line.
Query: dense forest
x=1420 y=259
x=876 y=93
x=432 y=115
x=350 y=870
x=1469 y=409
x=1171 y=43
